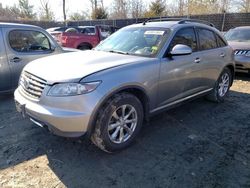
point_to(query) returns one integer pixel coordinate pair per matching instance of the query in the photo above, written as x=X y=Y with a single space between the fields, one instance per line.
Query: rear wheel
x=221 y=87
x=84 y=47
x=118 y=123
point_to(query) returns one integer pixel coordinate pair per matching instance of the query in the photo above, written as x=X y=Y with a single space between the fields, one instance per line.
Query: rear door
x=24 y=46
x=212 y=54
x=5 y=75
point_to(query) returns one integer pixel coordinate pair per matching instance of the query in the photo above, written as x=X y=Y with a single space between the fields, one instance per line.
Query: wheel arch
x=138 y=91
x=84 y=43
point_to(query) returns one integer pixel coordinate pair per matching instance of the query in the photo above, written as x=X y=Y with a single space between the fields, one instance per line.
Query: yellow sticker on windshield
x=154 y=48
x=154 y=33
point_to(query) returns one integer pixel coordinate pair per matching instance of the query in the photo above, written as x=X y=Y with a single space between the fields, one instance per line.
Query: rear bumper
x=61 y=116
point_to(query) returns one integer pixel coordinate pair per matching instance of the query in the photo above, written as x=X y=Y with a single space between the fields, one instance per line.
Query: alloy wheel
x=224 y=84
x=122 y=124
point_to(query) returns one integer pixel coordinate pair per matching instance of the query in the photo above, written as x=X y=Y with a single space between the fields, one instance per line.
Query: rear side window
x=28 y=41
x=185 y=36
x=207 y=39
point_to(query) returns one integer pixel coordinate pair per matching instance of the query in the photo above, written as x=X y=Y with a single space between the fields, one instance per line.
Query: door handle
x=197 y=60
x=15 y=60
x=222 y=55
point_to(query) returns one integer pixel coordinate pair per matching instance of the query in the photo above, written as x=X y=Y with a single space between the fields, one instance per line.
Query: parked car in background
x=85 y=37
x=138 y=71
x=57 y=31
x=20 y=44
x=239 y=39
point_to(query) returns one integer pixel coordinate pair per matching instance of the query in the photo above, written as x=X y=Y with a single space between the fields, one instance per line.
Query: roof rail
x=180 y=20
x=196 y=20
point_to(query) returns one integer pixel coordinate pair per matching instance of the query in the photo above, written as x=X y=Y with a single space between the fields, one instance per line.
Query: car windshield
x=238 y=35
x=135 y=41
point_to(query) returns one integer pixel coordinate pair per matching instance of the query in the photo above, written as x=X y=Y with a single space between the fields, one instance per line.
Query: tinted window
x=88 y=31
x=28 y=41
x=185 y=36
x=220 y=42
x=207 y=39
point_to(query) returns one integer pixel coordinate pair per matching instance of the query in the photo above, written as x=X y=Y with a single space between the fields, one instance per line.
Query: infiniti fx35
x=107 y=92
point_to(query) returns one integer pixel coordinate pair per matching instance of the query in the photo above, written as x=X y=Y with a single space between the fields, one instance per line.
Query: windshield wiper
x=118 y=52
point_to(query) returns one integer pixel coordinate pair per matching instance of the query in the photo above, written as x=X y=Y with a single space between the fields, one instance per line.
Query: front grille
x=32 y=85
x=242 y=52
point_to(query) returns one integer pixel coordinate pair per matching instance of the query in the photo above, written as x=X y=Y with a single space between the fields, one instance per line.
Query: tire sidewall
x=216 y=89
x=108 y=111
x=84 y=47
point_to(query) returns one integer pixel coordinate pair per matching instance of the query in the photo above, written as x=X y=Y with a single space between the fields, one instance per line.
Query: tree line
x=121 y=9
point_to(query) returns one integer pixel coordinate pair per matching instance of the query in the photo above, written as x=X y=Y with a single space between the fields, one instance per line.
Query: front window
x=238 y=35
x=187 y=37
x=28 y=41
x=135 y=41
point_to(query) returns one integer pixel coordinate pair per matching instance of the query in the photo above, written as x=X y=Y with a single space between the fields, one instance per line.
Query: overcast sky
x=56 y=5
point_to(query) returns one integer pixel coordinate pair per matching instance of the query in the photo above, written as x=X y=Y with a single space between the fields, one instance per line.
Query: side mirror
x=180 y=49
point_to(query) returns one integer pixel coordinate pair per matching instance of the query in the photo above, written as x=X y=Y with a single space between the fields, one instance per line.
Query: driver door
x=24 y=46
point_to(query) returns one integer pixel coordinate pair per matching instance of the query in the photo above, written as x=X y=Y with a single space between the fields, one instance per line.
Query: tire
x=217 y=95
x=84 y=47
x=109 y=124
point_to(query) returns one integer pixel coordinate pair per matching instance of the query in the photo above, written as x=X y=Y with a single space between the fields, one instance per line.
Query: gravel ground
x=200 y=144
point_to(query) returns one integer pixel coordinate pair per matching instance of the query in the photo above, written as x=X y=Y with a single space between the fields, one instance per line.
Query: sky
x=56 y=6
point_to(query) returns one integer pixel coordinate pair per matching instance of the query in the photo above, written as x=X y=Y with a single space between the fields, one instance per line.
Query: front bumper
x=64 y=116
x=242 y=63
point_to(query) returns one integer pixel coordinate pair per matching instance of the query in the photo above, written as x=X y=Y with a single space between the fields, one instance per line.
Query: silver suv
x=239 y=38
x=136 y=72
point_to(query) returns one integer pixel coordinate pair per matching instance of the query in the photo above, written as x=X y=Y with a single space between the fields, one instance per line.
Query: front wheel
x=118 y=122
x=221 y=87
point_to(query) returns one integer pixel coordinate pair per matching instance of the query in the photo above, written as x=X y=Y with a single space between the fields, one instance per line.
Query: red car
x=84 y=37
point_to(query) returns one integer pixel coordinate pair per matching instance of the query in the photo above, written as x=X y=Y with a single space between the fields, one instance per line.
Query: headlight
x=71 y=89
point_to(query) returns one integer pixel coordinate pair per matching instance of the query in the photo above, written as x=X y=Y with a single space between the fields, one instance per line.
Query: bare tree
x=97 y=9
x=46 y=12
x=137 y=8
x=181 y=7
x=205 y=6
x=120 y=9
x=244 y=5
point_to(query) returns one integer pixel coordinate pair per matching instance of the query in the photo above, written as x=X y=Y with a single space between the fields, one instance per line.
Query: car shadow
x=242 y=76
x=198 y=144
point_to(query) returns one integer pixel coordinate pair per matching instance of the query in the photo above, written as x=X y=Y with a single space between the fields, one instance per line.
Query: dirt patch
x=200 y=144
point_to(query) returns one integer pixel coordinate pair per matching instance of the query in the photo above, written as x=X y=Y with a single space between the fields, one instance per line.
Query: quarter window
x=207 y=39
x=185 y=36
x=220 y=42
x=28 y=41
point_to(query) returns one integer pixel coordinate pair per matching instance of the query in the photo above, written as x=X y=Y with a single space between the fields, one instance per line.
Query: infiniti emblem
x=26 y=84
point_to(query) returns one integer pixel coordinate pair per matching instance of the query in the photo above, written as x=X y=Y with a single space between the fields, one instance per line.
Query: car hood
x=68 y=67
x=240 y=45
